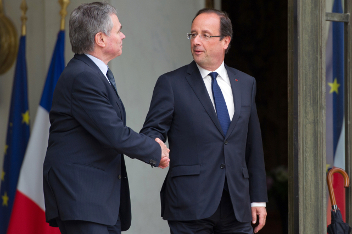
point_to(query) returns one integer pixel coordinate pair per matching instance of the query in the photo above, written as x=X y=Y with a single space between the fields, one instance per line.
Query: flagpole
x=63 y=12
x=24 y=9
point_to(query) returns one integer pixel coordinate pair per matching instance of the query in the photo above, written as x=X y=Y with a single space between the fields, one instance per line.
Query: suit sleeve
x=94 y=111
x=255 y=156
x=159 y=118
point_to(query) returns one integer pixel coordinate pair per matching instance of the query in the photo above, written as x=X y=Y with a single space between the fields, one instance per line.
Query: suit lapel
x=236 y=92
x=91 y=64
x=196 y=82
x=123 y=110
x=120 y=104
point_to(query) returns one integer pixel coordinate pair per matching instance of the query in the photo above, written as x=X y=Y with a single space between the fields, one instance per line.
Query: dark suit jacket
x=84 y=171
x=201 y=156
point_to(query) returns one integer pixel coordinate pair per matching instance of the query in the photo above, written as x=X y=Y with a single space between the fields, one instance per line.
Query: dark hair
x=86 y=21
x=225 y=23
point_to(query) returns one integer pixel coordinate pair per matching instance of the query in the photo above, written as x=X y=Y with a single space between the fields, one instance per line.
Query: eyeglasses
x=204 y=36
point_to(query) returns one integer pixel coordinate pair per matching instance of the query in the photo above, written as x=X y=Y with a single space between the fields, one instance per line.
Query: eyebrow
x=203 y=31
x=206 y=31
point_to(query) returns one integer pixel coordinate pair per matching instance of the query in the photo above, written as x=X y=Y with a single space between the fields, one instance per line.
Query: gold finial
x=63 y=12
x=24 y=9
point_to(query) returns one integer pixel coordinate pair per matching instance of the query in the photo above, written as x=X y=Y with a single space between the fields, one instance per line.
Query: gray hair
x=86 y=21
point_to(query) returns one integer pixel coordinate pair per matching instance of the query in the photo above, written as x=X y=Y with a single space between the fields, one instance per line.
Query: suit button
x=225 y=142
x=120 y=177
x=222 y=166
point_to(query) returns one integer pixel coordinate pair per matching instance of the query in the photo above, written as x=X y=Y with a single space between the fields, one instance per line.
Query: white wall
x=155 y=43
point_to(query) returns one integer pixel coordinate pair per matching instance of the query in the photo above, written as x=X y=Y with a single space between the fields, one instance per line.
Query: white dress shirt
x=225 y=86
x=223 y=81
x=102 y=66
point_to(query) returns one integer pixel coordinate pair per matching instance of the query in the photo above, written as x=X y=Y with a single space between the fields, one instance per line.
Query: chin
x=197 y=60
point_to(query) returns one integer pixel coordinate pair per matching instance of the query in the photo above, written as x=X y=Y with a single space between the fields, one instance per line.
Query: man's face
x=209 y=54
x=114 y=40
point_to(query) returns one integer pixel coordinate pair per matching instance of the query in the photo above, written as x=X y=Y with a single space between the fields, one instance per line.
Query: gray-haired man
x=85 y=180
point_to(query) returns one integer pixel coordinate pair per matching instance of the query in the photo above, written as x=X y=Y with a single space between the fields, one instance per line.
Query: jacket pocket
x=88 y=166
x=245 y=173
x=185 y=170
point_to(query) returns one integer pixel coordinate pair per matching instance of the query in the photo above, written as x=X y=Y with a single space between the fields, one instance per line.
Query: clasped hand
x=165 y=160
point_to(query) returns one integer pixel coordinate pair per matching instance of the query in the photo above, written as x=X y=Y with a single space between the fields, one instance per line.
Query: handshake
x=165 y=160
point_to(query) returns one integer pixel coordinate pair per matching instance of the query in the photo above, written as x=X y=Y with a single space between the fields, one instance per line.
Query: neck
x=211 y=67
x=99 y=55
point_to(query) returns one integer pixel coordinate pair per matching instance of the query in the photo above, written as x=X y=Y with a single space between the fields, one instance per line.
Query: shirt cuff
x=256 y=204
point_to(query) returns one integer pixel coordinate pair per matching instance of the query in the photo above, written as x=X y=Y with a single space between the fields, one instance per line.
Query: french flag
x=28 y=214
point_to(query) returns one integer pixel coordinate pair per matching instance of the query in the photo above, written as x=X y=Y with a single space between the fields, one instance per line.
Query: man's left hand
x=261 y=212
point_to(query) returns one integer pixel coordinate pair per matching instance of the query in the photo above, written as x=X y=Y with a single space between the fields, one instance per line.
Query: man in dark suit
x=216 y=182
x=85 y=181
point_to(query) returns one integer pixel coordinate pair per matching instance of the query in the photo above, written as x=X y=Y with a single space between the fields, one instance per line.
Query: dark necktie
x=112 y=80
x=113 y=84
x=220 y=104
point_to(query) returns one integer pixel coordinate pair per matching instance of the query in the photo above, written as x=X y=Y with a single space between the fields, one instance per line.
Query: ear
x=99 y=39
x=226 y=42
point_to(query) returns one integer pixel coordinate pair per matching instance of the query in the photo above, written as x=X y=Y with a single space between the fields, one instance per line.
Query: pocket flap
x=185 y=170
x=245 y=172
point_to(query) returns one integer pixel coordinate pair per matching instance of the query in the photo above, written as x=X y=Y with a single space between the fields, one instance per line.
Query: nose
x=196 y=40
x=122 y=35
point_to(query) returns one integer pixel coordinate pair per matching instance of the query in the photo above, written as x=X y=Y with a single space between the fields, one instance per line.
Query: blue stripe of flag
x=57 y=65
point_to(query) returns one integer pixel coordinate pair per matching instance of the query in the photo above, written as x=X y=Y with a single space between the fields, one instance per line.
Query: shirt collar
x=102 y=66
x=221 y=71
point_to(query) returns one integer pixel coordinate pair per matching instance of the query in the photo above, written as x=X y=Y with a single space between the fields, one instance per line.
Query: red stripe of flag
x=28 y=218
